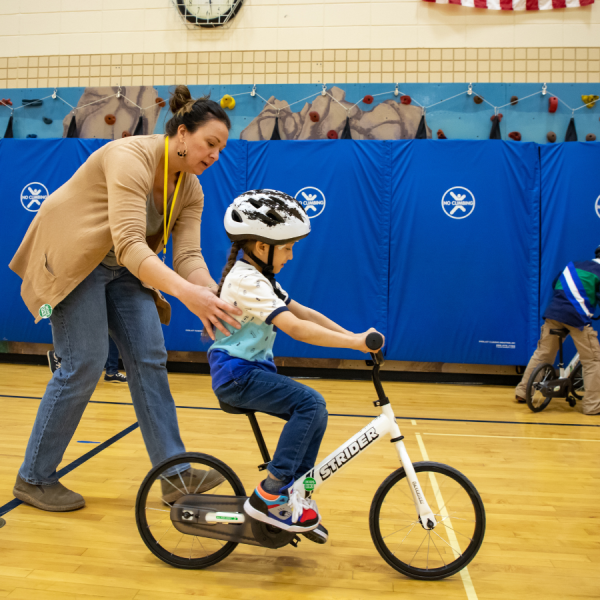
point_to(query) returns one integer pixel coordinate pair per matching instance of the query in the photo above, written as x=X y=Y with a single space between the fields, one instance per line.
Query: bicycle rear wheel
x=577 y=384
x=194 y=472
x=417 y=552
x=536 y=401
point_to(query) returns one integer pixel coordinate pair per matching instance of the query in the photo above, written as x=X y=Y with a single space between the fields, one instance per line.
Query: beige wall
x=48 y=43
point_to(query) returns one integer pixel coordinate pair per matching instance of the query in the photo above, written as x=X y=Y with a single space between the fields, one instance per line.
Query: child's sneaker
x=115 y=378
x=288 y=510
x=53 y=360
x=318 y=535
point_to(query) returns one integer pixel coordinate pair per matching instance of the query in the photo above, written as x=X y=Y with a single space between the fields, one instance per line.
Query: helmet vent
x=255 y=203
x=275 y=216
x=235 y=215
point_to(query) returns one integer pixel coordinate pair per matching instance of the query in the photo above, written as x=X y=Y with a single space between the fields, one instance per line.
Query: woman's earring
x=182 y=152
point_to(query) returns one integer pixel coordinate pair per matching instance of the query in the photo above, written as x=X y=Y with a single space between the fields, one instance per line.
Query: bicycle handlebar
x=374 y=341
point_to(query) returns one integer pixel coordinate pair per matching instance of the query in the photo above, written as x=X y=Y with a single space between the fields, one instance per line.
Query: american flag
x=517 y=4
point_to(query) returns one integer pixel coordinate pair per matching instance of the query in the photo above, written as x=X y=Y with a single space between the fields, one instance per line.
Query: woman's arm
x=308 y=314
x=198 y=299
x=317 y=335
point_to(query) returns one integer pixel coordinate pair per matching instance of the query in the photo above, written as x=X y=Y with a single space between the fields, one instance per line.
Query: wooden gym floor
x=538 y=475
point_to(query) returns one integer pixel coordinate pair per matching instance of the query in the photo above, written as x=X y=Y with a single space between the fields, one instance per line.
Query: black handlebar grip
x=374 y=341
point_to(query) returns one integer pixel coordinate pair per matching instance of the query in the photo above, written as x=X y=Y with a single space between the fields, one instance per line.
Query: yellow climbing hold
x=227 y=102
x=590 y=100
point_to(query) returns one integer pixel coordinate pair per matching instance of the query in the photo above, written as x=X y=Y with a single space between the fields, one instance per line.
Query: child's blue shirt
x=250 y=347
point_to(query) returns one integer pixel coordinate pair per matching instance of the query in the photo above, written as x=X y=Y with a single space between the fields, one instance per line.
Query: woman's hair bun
x=179 y=98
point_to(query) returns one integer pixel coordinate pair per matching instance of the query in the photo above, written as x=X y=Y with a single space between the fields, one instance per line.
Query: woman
x=89 y=262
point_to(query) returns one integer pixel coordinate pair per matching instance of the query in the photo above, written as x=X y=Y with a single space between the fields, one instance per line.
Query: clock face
x=208 y=13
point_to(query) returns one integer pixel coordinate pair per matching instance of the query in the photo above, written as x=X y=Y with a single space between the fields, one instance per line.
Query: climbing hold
x=6 y=102
x=31 y=135
x=32 y=102
x=405 y=100
x=590 y=137
x=552 y=104
x=590 y=100
x=47 y=120
x=514 y=100
x=110 y=119
x=332 y=134
x=499 y=115
x=125 y=134
x=551 y=137
x=314 y=116
x=368 y=99
x=441 y=135
x=515 y=135
x=160 y=102
x=478 y=99
x=227 y=102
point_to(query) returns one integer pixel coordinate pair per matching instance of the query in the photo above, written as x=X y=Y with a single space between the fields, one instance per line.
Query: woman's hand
x=203 y=302
x=361 y=341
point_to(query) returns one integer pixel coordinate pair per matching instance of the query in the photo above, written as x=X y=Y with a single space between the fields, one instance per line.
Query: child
x=265 y=224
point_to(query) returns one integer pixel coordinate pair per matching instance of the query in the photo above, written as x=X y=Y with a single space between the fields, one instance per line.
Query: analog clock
x=208 y=13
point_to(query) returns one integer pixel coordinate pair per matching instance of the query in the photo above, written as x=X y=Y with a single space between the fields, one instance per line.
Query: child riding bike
x=265 y=224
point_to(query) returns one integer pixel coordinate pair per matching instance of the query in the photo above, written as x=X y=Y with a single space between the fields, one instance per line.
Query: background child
x=265 y=224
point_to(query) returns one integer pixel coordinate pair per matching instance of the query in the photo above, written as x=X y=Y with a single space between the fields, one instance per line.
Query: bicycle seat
x=232 y=410
x=560 y=332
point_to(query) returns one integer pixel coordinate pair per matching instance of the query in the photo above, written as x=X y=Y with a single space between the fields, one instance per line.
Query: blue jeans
x=302 y=407
x=107 y=301
x=112 y=361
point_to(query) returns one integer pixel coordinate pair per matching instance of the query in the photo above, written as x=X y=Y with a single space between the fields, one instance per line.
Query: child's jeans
x=302 y=407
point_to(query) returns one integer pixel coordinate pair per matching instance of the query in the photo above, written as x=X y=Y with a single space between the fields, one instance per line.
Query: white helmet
x=268 y=216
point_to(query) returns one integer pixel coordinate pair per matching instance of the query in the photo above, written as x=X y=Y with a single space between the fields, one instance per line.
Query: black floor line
x=76 y=463
x=362 y=416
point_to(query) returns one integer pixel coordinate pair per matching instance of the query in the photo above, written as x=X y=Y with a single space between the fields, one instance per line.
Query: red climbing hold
x=551 y=137
x=110 y=119
x=515 y=135
x=160 y=102
x=552 y=104
x=499 y=115
x=314 y=116
x=405 y=100
x=514 y=100
x=368 y=99
x=441 y=135
x=478 y=99
x=125 y=134
x=7 y=102
x=590 y=137
x=332 y=134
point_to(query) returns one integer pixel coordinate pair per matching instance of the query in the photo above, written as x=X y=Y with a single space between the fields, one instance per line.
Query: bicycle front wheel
x=536 y=401
x=417 y=552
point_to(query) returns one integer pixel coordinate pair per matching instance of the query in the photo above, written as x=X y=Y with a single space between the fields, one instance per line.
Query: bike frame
x=566 y=372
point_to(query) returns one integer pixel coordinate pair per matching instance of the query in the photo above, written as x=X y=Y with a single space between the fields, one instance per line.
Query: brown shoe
x=54 y=498
x=199 y=482
x=520 y=400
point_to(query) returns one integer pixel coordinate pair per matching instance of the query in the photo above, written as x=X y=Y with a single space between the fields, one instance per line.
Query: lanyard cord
x=167 y=222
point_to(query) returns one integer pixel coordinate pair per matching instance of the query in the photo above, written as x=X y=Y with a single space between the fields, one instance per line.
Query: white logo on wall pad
x=598 y=206
x=32 y=196
x=313 y=200
x=457 y=204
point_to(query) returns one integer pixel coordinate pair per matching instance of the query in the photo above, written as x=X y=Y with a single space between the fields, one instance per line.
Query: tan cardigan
x=102 y=205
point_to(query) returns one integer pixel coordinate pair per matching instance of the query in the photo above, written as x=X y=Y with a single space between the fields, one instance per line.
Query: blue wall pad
x=570 y=213
x=464 y=252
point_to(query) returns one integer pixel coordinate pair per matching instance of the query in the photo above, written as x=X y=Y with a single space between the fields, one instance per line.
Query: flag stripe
x=517 y=4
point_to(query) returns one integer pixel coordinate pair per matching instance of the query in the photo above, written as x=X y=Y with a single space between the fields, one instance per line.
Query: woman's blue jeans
x=302 y=407
x=108 y=301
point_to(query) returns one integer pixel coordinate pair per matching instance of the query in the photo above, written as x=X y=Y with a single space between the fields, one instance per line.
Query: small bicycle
x=427 y=529
x=543 y=385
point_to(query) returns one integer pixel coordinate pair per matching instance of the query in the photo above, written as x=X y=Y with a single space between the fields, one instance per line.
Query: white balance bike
x=427 y=520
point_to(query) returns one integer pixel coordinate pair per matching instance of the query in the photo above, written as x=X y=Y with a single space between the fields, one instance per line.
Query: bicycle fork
x=365 y=438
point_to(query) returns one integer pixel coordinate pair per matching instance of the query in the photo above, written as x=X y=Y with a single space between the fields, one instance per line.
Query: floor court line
x=464 y=573
x=514 y=437
x=355 y=416
x=76 y=463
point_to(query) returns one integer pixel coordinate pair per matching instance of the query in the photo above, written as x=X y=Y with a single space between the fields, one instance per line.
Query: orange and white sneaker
x=287 y=510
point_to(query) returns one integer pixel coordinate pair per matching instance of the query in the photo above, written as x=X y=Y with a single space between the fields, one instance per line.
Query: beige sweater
x=102 y=205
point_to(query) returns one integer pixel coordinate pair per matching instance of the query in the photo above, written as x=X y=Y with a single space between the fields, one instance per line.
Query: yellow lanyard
x=167 y=222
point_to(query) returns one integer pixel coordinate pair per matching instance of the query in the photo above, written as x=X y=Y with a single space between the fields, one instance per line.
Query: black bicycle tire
x=577 y=369
x=458 y=564
x=140 y=514
x=528 y=395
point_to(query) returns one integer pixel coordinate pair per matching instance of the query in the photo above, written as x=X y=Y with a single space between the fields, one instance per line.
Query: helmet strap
x=267 y=269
